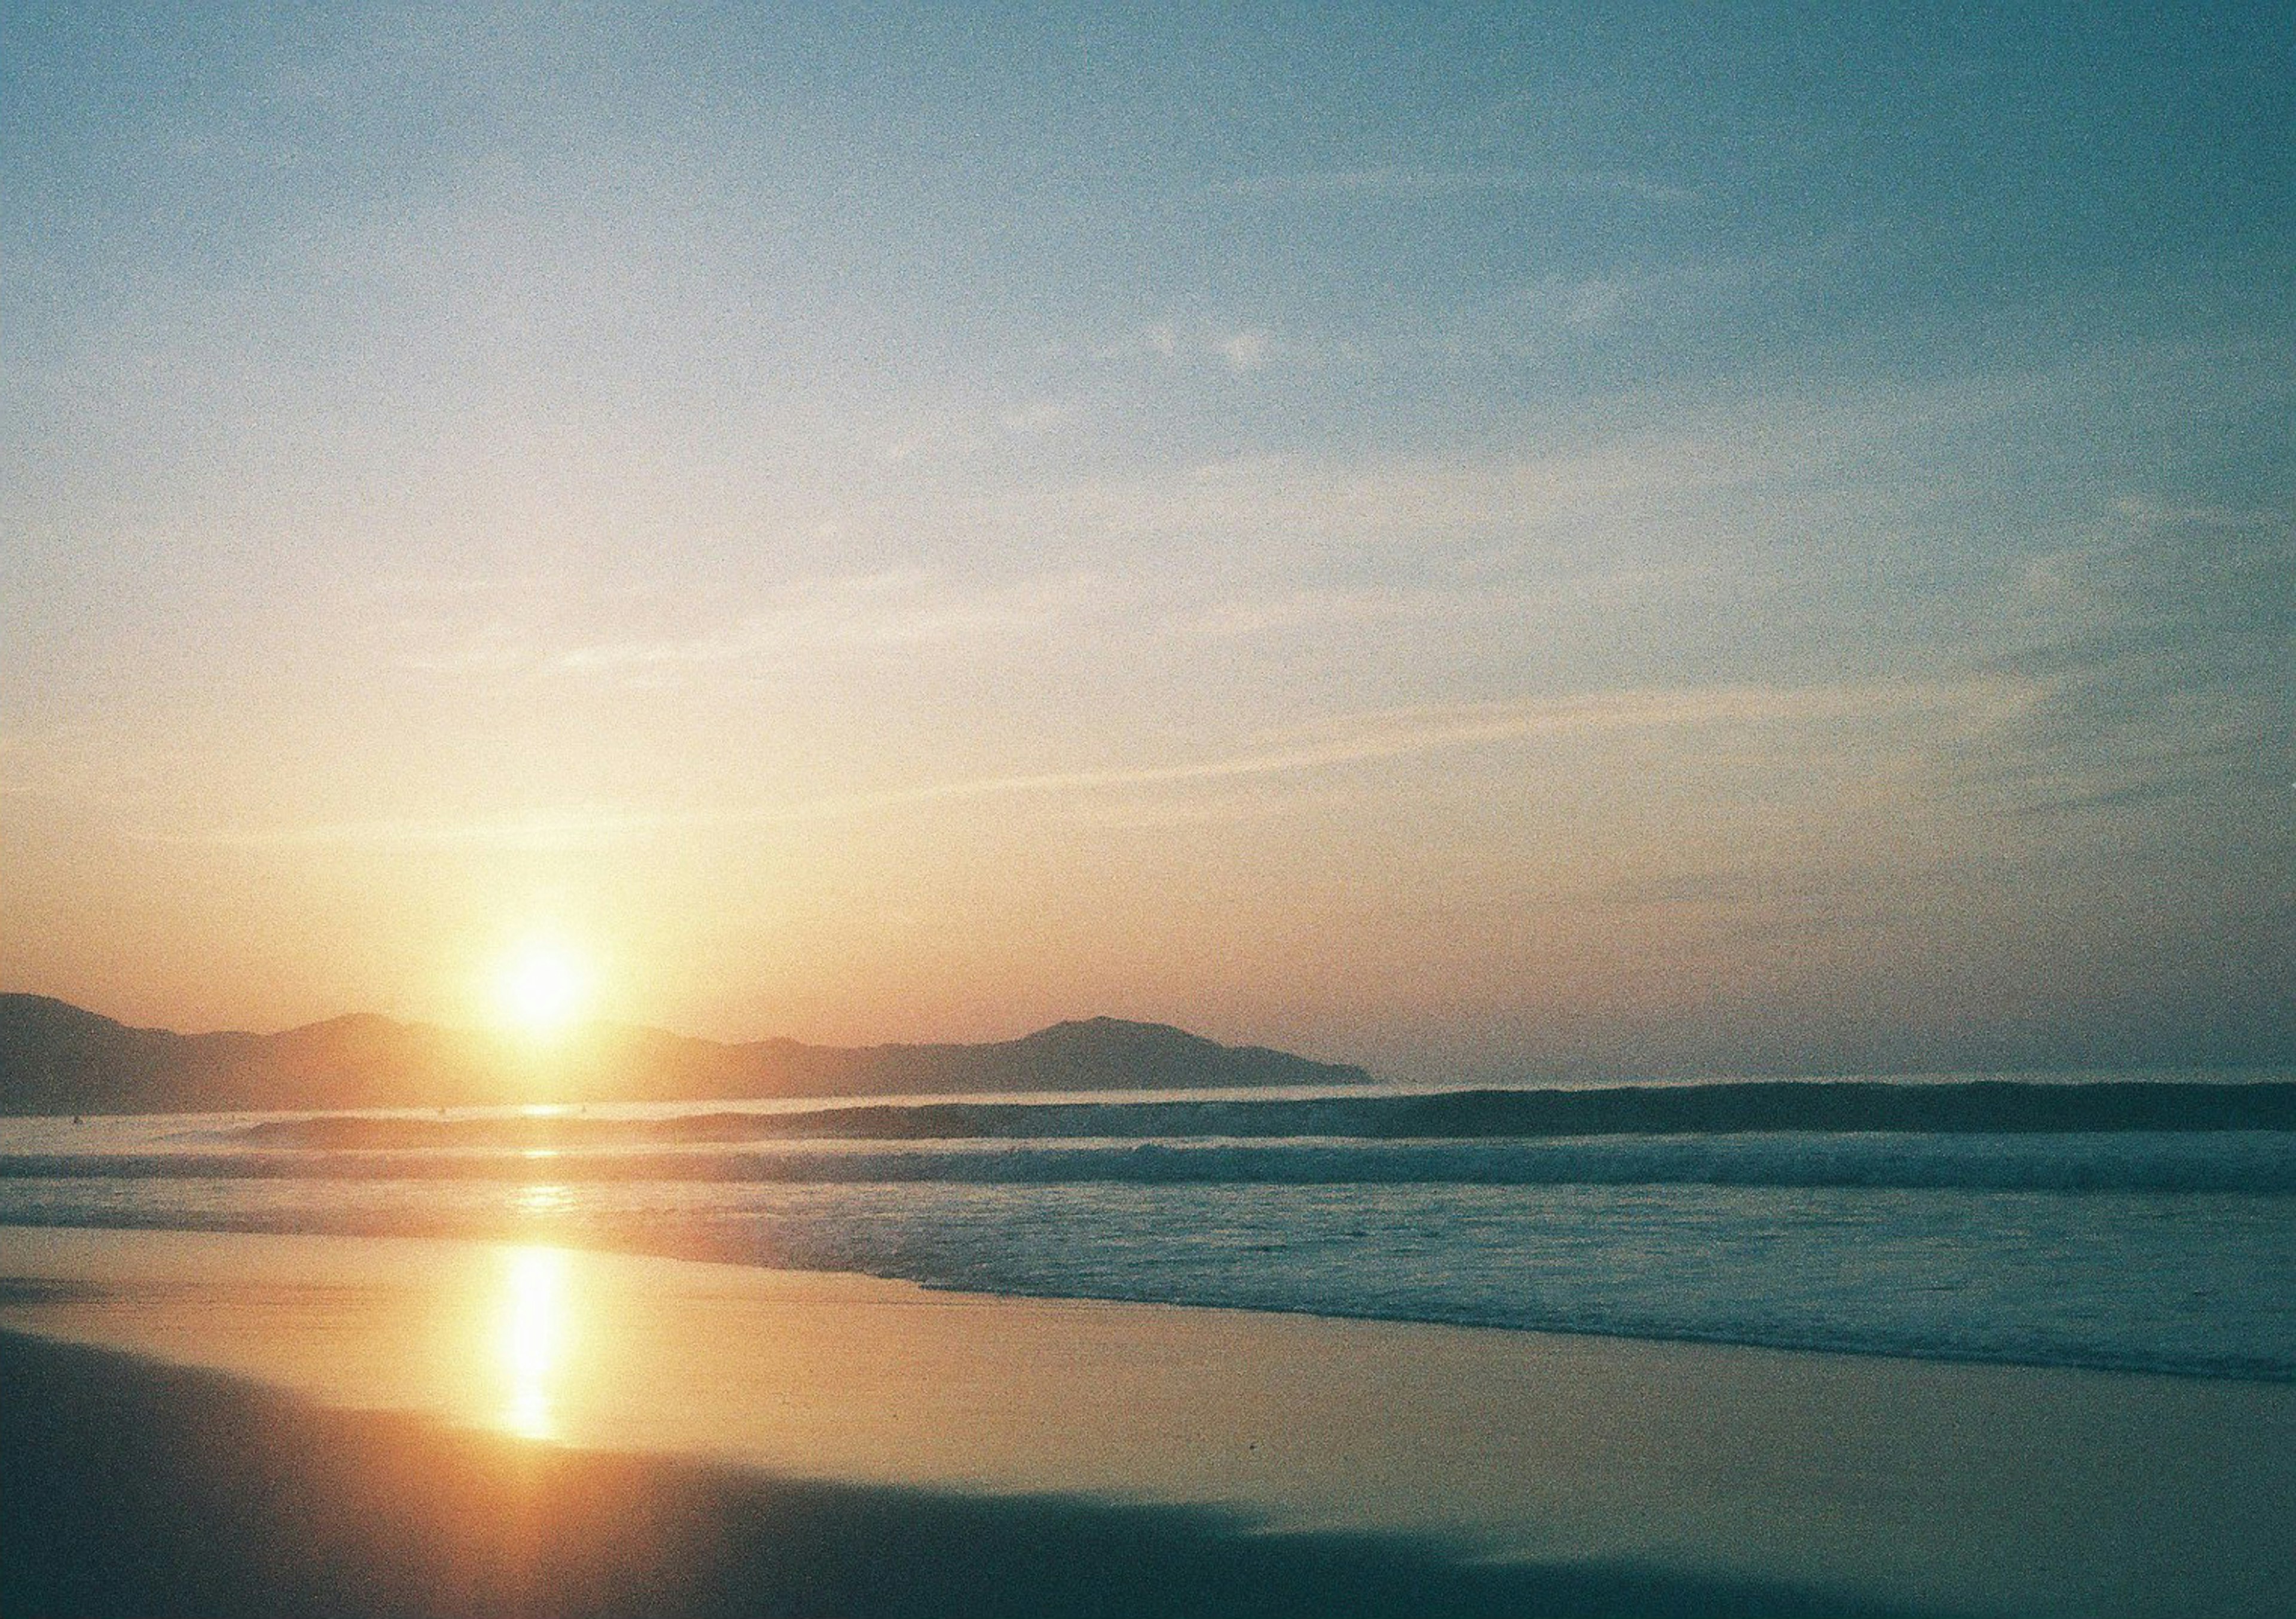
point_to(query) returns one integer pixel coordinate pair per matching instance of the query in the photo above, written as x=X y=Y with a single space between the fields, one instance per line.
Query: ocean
x=2168 y=1251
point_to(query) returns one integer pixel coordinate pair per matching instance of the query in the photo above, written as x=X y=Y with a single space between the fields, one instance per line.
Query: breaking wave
x=2255 y=1162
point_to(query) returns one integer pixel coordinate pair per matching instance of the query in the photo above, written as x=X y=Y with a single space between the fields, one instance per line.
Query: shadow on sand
x=132 y=1488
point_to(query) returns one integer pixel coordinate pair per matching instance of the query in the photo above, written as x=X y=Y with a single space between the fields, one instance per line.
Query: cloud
x=1245 y=351
x=1240 y=349
x=580 y=827
x=1411 y=498
x=1152 y=812
x=1389 y=182
x=1238 y=615
x=861 y=611
x=2163 y=643
x=447 y=587
x=1335 y=743
x=1037 y=416
x=1404 y=733
x=493 y=647
x=1312 y=609
x=593 y=633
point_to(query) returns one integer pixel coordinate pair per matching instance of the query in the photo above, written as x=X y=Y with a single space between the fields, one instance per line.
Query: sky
x=1485 y=541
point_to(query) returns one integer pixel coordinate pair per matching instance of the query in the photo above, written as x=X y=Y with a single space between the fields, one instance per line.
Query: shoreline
x=1899 y=1485
x=510 y=1234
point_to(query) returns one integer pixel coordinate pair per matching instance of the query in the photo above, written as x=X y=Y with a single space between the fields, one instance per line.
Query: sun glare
x=541 y=990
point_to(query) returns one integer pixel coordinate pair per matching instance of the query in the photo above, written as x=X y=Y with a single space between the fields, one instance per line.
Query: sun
x=541 y=989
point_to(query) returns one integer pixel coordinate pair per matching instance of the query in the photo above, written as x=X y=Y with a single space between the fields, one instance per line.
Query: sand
x=658 y=1422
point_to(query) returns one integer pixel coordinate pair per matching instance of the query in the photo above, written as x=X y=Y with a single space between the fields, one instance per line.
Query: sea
x=2160 y=1251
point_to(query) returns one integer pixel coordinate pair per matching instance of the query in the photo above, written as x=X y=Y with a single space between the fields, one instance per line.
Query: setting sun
x=541 y=989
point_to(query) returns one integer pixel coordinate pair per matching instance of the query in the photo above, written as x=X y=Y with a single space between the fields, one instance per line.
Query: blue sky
x=1524 y=539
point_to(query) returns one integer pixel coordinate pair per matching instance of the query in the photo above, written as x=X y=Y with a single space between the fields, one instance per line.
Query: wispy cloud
x=1403 y=182
x=2164 y=641
x=1037 y=416
x=492 y=646
x=1164 y=341
x=1404 y=498
x=1404 y=733
x=901 y=608
x=1246 y=351
x=576 y=828
x=1336 y=743
x=1330 y=745
x=425 y=588
x=1151 y=811
x=890 y=609
x=1235 y=343
x=1308 y=609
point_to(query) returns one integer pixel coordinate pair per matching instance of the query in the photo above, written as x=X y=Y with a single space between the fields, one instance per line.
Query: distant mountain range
x=56 y=1058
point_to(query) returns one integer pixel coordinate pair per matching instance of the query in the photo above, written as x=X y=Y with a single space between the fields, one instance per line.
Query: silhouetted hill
x=56 y=1058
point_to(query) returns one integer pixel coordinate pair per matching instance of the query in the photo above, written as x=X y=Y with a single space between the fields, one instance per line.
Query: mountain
x=56 y=1058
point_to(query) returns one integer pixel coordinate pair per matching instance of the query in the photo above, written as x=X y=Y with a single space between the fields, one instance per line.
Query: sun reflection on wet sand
x=532 y=1337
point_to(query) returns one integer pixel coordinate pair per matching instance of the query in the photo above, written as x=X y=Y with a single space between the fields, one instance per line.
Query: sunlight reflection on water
x=532 y=1337
x=543 y=1200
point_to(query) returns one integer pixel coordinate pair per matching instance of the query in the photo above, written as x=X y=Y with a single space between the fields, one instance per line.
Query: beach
x=403 y=1425
x=1085 y=811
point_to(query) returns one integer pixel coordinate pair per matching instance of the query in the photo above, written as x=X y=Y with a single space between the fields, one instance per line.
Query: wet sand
x=519 y=1429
